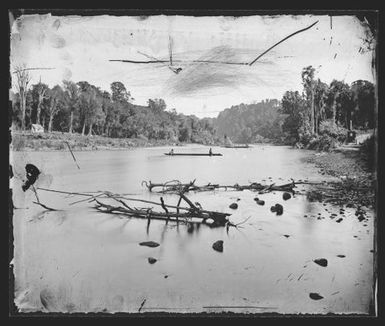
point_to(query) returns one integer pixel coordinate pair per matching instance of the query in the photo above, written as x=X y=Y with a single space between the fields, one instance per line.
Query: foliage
x=368 y=152
x=328 y=128
x=245 y=123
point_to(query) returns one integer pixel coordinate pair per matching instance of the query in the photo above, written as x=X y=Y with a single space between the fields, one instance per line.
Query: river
x=81 y=260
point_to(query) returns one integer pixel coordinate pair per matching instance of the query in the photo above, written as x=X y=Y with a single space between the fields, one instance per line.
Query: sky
x=79 y=48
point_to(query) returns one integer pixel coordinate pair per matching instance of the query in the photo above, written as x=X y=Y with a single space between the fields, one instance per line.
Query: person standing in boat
x=172 y=151
x=210 y=151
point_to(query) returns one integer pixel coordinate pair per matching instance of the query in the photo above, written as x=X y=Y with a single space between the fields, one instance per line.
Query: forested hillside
x=249 y=123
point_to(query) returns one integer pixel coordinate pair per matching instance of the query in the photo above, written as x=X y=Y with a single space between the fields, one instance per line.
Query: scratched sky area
x=79 y=48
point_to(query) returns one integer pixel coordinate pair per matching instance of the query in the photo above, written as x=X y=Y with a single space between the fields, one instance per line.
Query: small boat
x=193 y=154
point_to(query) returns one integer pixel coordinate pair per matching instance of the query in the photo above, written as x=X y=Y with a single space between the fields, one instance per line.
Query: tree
x=320 y=98
x=120 y=93
x=90 y=106
x=157 y=105
x=340 y=98
x=23 y=79
x=39 y=96
x=72 y=99
x=293 y=105
x=364 y=103
x=56 y=101
x=308 y=83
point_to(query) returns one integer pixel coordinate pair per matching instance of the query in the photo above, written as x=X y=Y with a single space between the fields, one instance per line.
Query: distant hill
x=248 y=123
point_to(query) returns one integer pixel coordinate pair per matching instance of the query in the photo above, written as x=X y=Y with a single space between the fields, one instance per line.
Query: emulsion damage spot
x=32 y=175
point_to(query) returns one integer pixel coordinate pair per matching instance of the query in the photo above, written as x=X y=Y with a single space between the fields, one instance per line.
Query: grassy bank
x=29 y=141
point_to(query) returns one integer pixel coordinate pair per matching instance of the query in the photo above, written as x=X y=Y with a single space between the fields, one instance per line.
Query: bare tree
x=23 y=79
x=56 y=100
x=42 y=91
x=72 y=99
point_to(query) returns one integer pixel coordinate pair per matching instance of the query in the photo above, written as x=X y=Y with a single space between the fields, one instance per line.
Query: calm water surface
x=82 y=260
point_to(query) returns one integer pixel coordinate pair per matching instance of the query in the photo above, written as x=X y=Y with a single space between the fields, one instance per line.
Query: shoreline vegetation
x=57 y=141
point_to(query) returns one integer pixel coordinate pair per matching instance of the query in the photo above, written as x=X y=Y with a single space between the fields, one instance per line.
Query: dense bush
x=323 y=143
x=330 y=129
x=368 y=152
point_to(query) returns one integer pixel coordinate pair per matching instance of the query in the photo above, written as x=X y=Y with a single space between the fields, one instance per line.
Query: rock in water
x=339 y=220
x=279 y=209
x=151 y=244
x=273 y=209
x=256 y=198
x=321 y=261
x=361 y=218
x=152 y=260
x=286 y=196
x=218 y=245
x=234 y=206
x=261 y=202
x=315 y=296
x=341 y=256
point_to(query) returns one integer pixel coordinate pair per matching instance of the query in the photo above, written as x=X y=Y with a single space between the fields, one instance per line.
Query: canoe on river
x=238 y=146
x=192 y=154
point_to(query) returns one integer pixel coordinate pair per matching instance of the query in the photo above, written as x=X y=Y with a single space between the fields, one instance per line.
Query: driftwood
x=176 y=186
x=169 y=213
x=219 y=219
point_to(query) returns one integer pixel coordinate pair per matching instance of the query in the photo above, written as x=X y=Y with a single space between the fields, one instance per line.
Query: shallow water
x=80 y=260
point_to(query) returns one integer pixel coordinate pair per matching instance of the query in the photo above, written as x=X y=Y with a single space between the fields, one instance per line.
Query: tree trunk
x=334 y=106
x=50 y=123
x=38 y=113
x=90 y=130
x=312 y=113
x=22 y=107
x=71 y=121
x=84 y=127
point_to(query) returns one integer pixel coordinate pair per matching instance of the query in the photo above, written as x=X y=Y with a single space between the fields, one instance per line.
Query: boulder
x=279 y=209
x=321 y=261
x=218 y=245
x=261 y=202
x=150 y=244
x=286 y=196
x=234 y=206
x=315 y=296
x=152 y=260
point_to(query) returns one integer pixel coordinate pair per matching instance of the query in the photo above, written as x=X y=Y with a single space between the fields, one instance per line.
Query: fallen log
x=176 y=187
x=220 y=219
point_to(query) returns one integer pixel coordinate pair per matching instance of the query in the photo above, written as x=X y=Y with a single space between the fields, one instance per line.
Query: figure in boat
x=172 y=151
x=210 y=151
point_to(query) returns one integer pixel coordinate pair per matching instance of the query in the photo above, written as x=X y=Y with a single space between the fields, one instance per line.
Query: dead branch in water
x=219 y=219
x=169 y=213
x=73 y=156
x=177 y=187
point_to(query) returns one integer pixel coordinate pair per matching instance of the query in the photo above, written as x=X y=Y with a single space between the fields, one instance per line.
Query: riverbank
x=356 y=183
x=56 y=141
